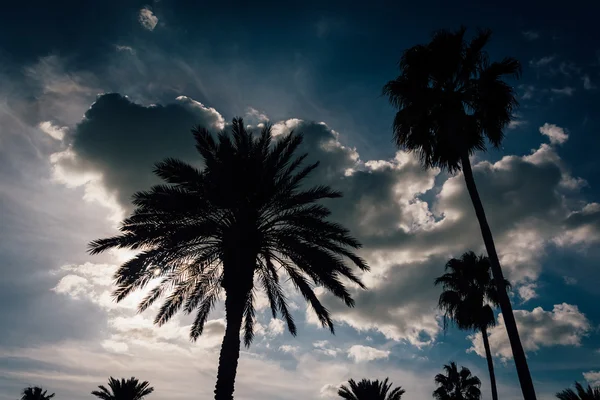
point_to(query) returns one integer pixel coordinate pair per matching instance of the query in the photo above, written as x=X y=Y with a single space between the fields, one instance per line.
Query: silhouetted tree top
x=580 y=393
x=370 y=390
x=450 y=98
x=124 y=389
x=35 y=393
x=457 y=385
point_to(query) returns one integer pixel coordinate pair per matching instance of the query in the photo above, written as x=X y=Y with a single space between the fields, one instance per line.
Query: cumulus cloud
x=361 y=353
x=147 y=18
x=593 y=377
x=555 y=133
x=329 y=391
x=54 y=131
x=565 y=325
x=527 y=291
x=286 y=348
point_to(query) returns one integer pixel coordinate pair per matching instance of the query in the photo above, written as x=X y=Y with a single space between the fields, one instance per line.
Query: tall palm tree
x=235 y=224
x=468 y=295
x=592 y=393
x=451 y=99
x=370 y=390
x=457 y=385
x=35 y=393
x=124 y=389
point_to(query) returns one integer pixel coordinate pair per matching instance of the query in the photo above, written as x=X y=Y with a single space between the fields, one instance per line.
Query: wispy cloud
x=542 y=61
x=587 y=83
x=567 y=91
x=128 y=49
x=531 y=35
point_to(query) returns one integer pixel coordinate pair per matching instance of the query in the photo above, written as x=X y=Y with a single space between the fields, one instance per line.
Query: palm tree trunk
x=490 y=362
x=507 y=312
x=230 y=349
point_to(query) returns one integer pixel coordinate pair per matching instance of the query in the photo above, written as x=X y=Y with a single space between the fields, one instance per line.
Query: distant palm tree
x=468 y=295
x=592 y=393
x=243 y=218
x=370 y=390
x=457 y=385
x=130 y=389
x=35 y=393
x=451 y=99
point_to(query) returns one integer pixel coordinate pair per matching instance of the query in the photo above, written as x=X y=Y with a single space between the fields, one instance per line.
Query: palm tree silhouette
x=130 y=389
x=592 y=393
x=450 y=99
x=466 y=300
x=370 y=390
x=457 y=385
x=35 y=393
x=243 y=217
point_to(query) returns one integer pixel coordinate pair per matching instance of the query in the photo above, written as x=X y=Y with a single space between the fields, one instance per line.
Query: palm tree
x=466 y=300
x=455 y=385
x=370 y=390
x=592 y=393
x=35 y=393
x=242 y=219
x=130 y=389
x=450 y=98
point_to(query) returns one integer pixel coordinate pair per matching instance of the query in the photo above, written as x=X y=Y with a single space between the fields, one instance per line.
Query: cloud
x=565 y=325
x=555 y=133
x=527 y=91
x=54 y=131
x=329 y=391
x=541 y=62
x=587 y=83
x=531 y=35
x=127 y=49
x=286 y=348
x=527 y=292
x=147 y=18
x=567 y=91
x=361 y=353
x=570 y=280
x=515 y=123
x=592 y=377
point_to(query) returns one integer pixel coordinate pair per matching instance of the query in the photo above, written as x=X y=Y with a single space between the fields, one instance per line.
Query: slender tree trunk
x=507 y=312
x=230 y=349
x=490 y=362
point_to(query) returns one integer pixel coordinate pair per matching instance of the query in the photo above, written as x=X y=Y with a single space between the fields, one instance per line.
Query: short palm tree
x=580 y=393
x=467 y=297
x=124 y=389
x=35 y=393
x=457 y=385
x=370 y=390
x=451 y=99
x=236 y=224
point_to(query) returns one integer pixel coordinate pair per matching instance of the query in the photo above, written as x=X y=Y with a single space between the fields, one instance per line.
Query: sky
x=93 y=93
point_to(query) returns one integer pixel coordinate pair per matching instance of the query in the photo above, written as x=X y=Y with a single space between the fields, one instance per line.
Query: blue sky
x=92 y=94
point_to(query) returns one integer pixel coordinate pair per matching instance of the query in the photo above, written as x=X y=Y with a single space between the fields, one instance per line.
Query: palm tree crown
x=457 y=385
x=468 y=292
x=450 y=98
x=370 y=390
x=237 y=223
x=35 y=393
x=580 y=393
x=130 y=389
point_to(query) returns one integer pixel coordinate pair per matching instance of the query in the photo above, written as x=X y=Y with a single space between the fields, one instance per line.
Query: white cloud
x=360 y=353
x=587 y=83
x=592 y=377
x=329 y=391
x=54 y=131
x=531 y=35
x=515 y=123
x=565 y=325
x=253 y=113
x=527 y=292
x=555 y=133
x=276 y=327
x=324 y=347
x=567 y=91
x=286 y=348
x=147 y=18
